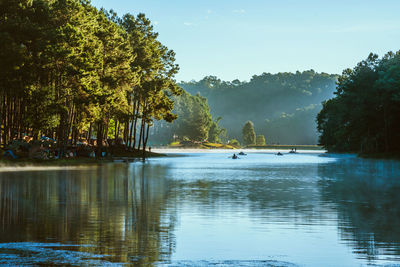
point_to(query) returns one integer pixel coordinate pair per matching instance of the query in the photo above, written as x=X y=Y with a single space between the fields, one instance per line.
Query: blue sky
x=235 y=39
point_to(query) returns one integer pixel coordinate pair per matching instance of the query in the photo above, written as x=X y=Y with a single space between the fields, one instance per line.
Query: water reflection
x=114 y=210
x=366 y=196
x=297 y=209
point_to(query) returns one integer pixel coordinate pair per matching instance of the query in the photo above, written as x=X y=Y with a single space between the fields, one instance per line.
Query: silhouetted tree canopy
x=69 y=69
x=365 y=114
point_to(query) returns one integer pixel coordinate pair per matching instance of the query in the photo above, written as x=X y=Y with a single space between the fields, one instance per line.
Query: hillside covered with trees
x=70 y=71
x=364 y=116
x=194 y=123
x=282 y=106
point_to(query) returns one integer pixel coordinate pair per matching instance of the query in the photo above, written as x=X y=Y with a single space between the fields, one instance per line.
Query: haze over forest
x=282 y=106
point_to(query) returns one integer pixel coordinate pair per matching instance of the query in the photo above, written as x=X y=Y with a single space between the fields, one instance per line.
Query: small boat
x=279 y=154
x=234 y=156
x=242 y=154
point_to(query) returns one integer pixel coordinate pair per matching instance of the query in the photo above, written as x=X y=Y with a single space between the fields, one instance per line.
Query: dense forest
x=282 y=106
x=194 y=123
x=70 y=72
x=364 y=116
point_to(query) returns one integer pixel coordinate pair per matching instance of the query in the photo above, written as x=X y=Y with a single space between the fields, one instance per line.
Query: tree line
x=194 y=122
x=250 y=137
x=283 y=106
x=70 y=71
x=364 y=116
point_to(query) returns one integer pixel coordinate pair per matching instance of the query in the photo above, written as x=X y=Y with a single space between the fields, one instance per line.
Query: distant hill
x=282 y=106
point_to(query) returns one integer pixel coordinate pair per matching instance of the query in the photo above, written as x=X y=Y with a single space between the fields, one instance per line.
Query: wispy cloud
x=155 y=22
x=209 y=11
x=239 y=11
x=188 y=24
x=376 y=27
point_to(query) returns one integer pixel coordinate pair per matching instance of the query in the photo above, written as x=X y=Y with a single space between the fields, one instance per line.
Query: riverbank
x=287 y=147
x=380 y=156
x=76 y=161
x=207 y=145
x=182 y=151
x=199 y=145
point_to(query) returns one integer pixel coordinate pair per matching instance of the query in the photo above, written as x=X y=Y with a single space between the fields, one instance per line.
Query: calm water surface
x=203 y=209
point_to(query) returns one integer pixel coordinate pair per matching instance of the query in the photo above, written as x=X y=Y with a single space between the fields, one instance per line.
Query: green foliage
x=195 y=119
x=266 y=97
x=215 y=132
x=67 y=66
x=260 y=140
x=234 y=142
x=364 y=116
x=249 y=135
x=194 y=122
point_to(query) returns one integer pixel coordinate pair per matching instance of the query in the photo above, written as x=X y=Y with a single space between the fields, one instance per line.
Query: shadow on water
x=366 y=195
x=112 y=213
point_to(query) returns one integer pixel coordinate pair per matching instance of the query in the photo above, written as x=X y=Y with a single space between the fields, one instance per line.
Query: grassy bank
x=204 y=145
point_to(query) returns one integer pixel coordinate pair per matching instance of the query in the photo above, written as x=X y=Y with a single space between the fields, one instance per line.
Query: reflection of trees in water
x=366 y=196
x=119 y=211
x=280 y=193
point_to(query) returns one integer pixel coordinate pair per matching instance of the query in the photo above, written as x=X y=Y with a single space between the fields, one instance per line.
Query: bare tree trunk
x=106 y=130
x=140 y=135
x=119 y=129
x=130 y=135
x=89 y=137
x=126 y=133
x=116 y=130
x=99 y=139
x=135 y=124
x=145 y=140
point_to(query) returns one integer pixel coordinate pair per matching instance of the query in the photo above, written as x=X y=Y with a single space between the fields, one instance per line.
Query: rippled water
x=202 y=209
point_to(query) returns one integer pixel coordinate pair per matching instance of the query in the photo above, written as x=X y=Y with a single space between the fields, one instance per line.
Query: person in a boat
x=234 y=156
x=279 y=154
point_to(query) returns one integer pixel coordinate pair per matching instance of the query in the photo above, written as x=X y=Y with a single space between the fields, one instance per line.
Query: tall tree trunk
x=3 y=121
x=119 y=128
x=145 y=141
x=99 y=139
x=140 y=134
x=135 y=124
x=126 y=133
x=115 y=129
x=89 y=137
x=130 y=126
x=105 y=138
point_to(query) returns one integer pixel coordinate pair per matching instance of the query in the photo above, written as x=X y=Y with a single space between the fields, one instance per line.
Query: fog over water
x=199 y=209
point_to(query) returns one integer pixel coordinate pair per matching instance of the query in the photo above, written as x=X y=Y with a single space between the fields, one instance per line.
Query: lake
x=201 y=209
